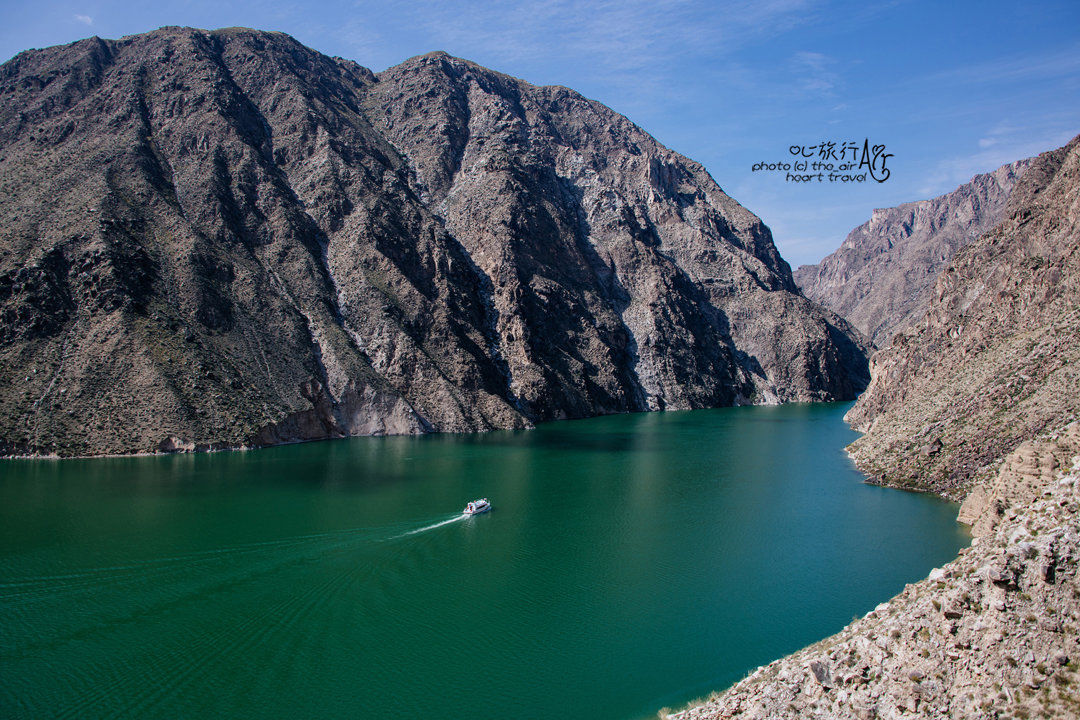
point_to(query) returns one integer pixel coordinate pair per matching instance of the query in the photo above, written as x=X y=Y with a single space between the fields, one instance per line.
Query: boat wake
x=256 y=559
x=417 y=531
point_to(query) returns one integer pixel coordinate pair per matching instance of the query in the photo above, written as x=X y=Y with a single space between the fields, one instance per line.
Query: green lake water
x=630 y=562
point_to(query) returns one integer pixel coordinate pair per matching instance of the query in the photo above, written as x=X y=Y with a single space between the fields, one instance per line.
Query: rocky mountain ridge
x=881 y=278
x=223 y=239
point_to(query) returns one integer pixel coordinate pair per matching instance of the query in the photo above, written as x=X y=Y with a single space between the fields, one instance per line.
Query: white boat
x=477 y=506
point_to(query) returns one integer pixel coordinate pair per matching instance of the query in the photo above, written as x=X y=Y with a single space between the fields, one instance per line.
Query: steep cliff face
x=882 y=277
x=214 y=239
x=994 y=361
x=576 y=214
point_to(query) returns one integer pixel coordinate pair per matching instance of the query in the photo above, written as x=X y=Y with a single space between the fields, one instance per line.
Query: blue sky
x=950 y=89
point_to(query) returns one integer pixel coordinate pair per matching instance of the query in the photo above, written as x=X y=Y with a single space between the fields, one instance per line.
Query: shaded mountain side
x=675 y=276
x=216 y=239
x=882 y=277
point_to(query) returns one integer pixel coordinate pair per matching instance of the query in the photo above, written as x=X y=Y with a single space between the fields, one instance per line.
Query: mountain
x=882 y=276
x=977 y=400
x=223 y=239
x=994 y=360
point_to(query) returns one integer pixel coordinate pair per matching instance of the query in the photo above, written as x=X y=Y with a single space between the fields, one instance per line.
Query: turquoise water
x=630 y=562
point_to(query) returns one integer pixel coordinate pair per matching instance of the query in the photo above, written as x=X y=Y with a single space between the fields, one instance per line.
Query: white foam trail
x=454 y=519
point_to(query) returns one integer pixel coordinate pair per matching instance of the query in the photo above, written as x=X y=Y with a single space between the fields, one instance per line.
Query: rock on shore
x=993 y=634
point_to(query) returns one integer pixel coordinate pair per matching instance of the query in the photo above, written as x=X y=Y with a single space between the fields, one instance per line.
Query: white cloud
x=996 y=149
x=84 y=19
x=1003 y=132
x=813 y=72
x=1024 y=68
x=613 y=36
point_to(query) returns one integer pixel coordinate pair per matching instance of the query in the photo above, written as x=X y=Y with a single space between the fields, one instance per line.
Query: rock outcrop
x=978 y=401
x=216 y=239
x=882 y=277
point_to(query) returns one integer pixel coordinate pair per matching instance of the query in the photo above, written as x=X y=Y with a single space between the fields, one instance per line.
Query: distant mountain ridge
x=220 y=239
x=882 y=276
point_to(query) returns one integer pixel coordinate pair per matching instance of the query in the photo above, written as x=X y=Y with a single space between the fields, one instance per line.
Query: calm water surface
x=630 y=562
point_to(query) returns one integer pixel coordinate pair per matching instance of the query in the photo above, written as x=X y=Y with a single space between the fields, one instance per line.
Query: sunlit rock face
x=218 y=239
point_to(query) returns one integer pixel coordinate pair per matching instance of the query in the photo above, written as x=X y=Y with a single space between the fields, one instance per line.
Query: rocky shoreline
x=976 y=402
x=993 y=634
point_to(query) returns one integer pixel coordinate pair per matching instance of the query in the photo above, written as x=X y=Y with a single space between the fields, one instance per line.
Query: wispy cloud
x=84 y=19
x=813 y=72
x=641 y=57
x=1002 y=144
x=1059 y=63
x=613 y=36
x=1002 y=132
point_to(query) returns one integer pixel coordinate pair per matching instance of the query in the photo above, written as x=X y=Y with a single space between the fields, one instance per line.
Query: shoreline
x=214 y=447
x=996 y=625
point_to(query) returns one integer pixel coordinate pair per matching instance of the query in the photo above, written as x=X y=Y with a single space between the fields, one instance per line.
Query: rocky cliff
x=994 y=361
x=216 y=239
x=977 y=400
x=881 y=278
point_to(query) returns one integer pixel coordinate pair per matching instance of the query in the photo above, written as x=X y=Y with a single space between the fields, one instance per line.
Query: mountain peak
x=224 y=238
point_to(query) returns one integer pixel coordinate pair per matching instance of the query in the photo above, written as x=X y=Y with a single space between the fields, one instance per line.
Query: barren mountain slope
x=225 y=238
x=977 y=400
x=881 y=278
x=994 y=361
